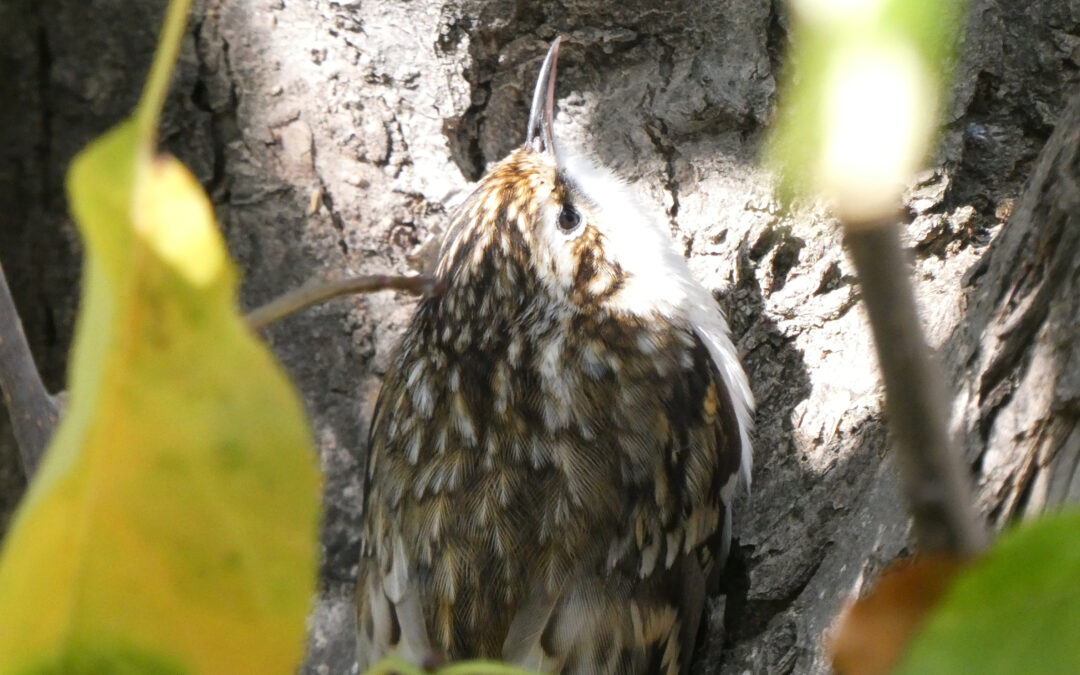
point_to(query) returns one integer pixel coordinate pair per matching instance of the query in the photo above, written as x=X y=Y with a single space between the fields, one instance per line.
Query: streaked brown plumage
x=556 y=445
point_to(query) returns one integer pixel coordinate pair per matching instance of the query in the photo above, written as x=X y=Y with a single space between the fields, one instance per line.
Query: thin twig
x=934 y=482
x=317 y=292
x=33 y=412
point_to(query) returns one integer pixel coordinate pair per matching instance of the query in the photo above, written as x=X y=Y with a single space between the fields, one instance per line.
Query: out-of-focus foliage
x=872 y=633
x=1016 y=611
x=173 y=524
x=861 y=99
x=860 y=109
x=393 y=665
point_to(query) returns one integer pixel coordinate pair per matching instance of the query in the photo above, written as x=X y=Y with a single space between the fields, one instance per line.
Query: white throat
x=658 y=280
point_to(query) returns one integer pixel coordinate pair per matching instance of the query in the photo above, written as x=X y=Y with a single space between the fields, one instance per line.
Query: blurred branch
x=932 y=474
x=33 y=411
x=861 y=104
x=318 y=292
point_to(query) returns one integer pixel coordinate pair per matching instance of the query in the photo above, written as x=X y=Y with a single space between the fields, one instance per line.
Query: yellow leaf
x=173 y=218
x=173 y=524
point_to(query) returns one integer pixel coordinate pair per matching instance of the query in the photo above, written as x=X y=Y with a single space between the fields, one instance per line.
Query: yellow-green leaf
x=173 y=524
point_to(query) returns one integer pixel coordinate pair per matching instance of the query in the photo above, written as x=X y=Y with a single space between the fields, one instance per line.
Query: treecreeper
x=554 y=453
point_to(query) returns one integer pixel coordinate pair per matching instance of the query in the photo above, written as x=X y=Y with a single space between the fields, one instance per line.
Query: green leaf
x=173 y=524
x=1016 y=611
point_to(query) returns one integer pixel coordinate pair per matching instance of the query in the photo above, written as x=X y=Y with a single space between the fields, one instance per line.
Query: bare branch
x=935 y=484
x=318 y=292
x=33 y=412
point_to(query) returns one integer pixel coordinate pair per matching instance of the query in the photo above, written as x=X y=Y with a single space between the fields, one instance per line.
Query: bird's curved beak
x=542 y=114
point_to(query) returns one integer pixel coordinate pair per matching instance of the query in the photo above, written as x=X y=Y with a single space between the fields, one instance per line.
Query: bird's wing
x=641 y=613
x=389 y=615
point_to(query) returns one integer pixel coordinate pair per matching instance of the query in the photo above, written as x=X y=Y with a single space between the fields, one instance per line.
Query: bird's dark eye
x=569 y=218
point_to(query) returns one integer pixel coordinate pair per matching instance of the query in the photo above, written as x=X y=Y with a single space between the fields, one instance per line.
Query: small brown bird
x=555 y=449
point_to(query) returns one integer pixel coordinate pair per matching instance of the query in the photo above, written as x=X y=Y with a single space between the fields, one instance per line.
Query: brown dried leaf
x=870 y=635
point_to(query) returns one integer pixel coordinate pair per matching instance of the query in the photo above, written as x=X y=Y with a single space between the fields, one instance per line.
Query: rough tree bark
x=331 y=133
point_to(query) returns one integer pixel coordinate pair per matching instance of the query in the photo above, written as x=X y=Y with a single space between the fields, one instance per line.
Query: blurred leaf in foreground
x=1016 y=611
x=173 y=524
x=393 y=665
x=861 y=99
x=870 y=635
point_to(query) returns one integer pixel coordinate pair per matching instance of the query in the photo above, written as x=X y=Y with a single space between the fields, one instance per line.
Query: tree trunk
x=330 y=134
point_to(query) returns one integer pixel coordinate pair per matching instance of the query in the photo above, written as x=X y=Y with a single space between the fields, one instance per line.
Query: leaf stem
x=157 y=82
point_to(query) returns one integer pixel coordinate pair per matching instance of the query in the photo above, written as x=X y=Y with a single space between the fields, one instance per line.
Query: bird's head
x=573 y=230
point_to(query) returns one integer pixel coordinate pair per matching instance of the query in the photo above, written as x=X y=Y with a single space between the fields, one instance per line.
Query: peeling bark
x=1019 y=401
